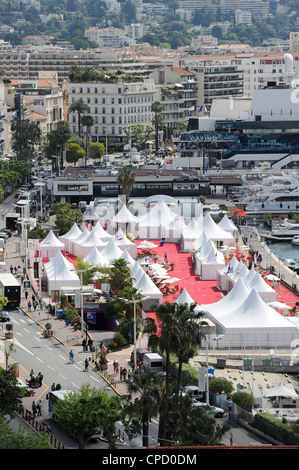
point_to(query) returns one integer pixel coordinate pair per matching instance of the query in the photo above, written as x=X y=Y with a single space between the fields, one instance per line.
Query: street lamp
x=135 y=302
x=81 y=271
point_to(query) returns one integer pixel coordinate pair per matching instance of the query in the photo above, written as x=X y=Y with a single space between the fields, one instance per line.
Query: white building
x=243 y=17
x=113 y=106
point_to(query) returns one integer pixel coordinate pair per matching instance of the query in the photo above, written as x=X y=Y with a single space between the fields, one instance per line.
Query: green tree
x=22 y=438
x=80 y=414
x=57 y=139
x=88 y=122
x=130 y=293
x=25 y=135
x=120 y=275
x=138 y=134
x=158 y=120
x=146 y=388
x=37 y=233
x=10 y=393
x=79 y=107
x=88 y=270
x=217 y=385
x=95 y=150
x=244 y=400
x=74 y=152
x=66 y=216
x=126 y=178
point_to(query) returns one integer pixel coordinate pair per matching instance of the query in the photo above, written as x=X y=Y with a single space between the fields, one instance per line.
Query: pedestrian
x=84 y=345
x=29 y=306
x=86 y=365
x=34 y=305
x=39 y=408
x=11 y=268
x=165 y=256
x=32 y=374
x=33 y=298
x=53 y=387
x=26 y=295
x=121 y=373
x=124 y=373
x=117 y=367
x=114 y=366
x=34 y=409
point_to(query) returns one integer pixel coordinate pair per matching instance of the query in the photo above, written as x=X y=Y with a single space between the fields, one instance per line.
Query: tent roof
x=90 y=214
x=281 y=390
x=232 y=300
x=85 y=233
x=124 y=216
x=127 y=257
x=73 y=233
x=254 y=313
x=122 y=240
x=146 y=286
x=111 y=251
x=213 y=231
x=95 y=257
x=259 y=284
x=185 y=298
x=51 y=240
x=192 y=229
x=92 y=240
x=59 y=268
x=101 y=233
x=227 y=224
x=160 y=214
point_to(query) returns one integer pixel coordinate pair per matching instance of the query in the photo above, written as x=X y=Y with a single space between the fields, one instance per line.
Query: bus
x=53 y=397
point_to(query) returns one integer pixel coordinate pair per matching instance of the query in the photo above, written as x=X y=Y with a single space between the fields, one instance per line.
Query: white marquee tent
x=125 y=220
x=81 y=238
x=267 y=293
x=214 y=232
x=230 y=302
x=254 y=322
x=59 y=272
x=152 y=225
x=72 y=234
x=128 y=258
x=192 y=233
x=96 y=258
x=101 y=233
x=111 y=251
x=208 y=261
x=227 y=225
x=149 y=290
x=123 y=242
x=82 y=249
x=50 y=246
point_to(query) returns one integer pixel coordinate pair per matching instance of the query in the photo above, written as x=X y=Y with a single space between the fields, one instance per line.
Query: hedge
x=272 y=426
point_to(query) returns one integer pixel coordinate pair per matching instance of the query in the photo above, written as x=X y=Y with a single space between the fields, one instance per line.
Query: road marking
x=75 y=385
x=93 y=378
x=62 y=376
x=27 y=331
x=23 y=347
x=62 y=357
x=50 y=367
x=39 y=359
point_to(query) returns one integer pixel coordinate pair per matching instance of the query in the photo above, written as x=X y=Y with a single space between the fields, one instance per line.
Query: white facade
x=275 y=104
x=114 y=106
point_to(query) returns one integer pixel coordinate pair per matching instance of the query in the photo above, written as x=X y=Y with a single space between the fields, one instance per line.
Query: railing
x=39 y=427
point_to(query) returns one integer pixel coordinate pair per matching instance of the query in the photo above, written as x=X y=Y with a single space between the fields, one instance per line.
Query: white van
x=153 y=362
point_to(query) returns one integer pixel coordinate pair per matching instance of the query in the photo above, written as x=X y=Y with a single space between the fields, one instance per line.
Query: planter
x=104 y=366
x=9 y=335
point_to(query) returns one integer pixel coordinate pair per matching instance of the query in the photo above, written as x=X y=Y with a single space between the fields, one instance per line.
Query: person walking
x=26 y=295
x=124 y=374
x=39 y=408
x=86 y=365
x=29 y=306
x=34 y=409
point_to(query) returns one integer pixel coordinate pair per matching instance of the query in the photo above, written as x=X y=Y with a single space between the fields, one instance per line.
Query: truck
x=153 y=362
x=11 y=289
x=11 y=220
x=194 y=391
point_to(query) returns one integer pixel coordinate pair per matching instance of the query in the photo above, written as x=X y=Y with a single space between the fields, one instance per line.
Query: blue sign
x=91 y=318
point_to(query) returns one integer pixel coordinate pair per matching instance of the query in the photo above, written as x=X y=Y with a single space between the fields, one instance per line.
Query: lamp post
x=135 y=302
x=81 y=271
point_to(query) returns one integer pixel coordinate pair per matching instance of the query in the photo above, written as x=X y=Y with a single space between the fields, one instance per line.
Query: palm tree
x=120 y=275
x=130 y=293
x=59 y=137
x=88 y=122
x=79 y=107
x=148 y=388
x=158 y=120
x=126 y=178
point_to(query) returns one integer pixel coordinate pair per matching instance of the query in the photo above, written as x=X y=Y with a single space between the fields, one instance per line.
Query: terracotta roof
x=180 y=71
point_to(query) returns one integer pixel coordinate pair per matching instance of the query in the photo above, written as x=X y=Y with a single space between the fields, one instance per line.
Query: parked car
x=4 y=317
x=217 y=412
x=4 y=234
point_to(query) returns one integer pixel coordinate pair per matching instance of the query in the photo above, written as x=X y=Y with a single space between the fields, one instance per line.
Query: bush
x=112 y=345
x=272 y=426
x=120 y=341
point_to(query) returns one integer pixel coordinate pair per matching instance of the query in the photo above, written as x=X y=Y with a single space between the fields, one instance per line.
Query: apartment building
x=176 y=90
x=258 y=7
x=294 y=41
x=109 y=37
x=257 y=70
x=114 y=104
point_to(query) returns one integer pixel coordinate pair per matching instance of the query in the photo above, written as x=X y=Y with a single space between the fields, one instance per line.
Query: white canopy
x=123 y=242
x=254 y=322
x=90 y=214
x=60 y=272
x=208 y=261
x=227 y=224
x=96 y=258
x=152 y=224
x=81 y=238
x=214 y=232
x=185 y=298
x=281 y=390
x=149 y=290
x=191 y=233
x=72 y=234
x=124 y=216
x=82 y=249
x=260 y=285
x=230 y=302
x=50 y=245
x=101 y=233
x=128 y=258
x=111 y=251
